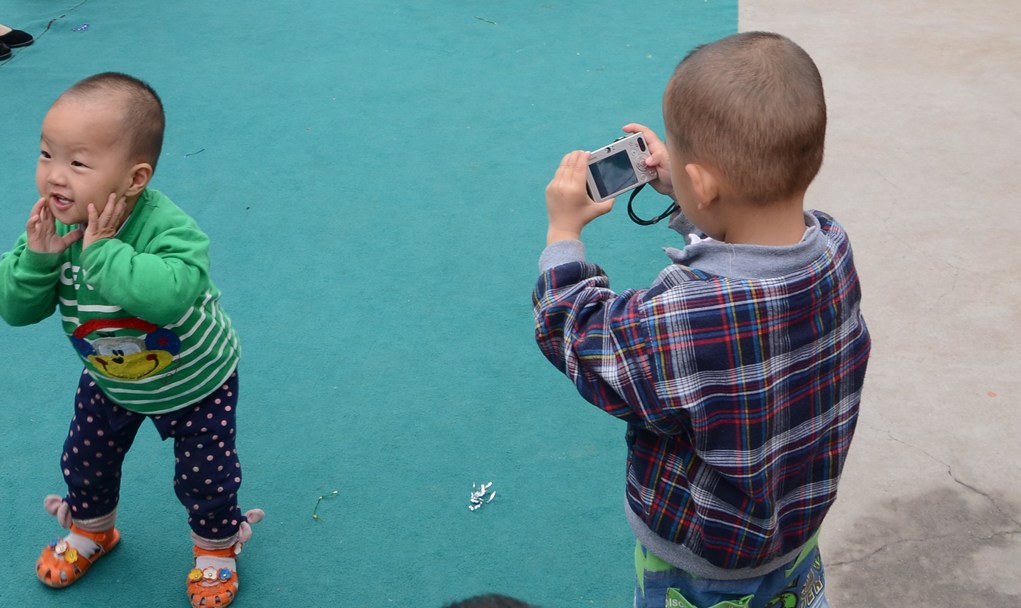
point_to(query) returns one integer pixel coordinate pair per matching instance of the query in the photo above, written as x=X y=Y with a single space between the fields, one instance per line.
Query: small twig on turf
x=315 y=514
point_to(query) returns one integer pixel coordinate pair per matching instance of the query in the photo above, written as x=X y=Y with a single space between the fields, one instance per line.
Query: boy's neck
x=131 y=201
x=775 y=224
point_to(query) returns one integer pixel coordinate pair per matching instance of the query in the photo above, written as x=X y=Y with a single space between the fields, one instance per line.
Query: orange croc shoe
x=60 y=564
x=212 y=586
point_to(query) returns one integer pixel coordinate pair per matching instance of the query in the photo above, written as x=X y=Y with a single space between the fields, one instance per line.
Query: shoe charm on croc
x=61 y=548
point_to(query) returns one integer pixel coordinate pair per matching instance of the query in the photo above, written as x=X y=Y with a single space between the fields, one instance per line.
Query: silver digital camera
x=619 y=167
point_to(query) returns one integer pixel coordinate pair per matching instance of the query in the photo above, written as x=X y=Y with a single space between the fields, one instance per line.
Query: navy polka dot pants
x=207 y=473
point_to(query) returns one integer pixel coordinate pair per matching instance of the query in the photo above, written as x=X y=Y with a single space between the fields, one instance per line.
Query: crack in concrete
x=1013 y=531
x=886 y=546
x=958 y=481
x=904 y=541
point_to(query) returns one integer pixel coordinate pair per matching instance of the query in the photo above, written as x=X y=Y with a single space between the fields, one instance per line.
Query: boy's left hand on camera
x=659 y=158
x=568 y=204
x=106 y=224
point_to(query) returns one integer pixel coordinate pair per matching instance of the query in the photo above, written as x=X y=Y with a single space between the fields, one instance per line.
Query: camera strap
x=634 y=217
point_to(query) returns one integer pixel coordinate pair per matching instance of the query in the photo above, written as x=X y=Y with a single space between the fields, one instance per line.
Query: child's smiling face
x=83 y=157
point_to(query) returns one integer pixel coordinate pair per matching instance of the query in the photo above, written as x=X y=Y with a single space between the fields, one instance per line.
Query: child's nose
x=56 y=176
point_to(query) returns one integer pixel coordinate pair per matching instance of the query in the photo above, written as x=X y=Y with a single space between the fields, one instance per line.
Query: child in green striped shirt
x=129 y=272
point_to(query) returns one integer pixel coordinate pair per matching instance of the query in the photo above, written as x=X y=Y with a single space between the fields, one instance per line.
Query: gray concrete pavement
x=923 y=167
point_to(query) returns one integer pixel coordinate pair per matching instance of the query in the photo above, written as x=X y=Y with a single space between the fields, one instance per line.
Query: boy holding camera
x=740 y=370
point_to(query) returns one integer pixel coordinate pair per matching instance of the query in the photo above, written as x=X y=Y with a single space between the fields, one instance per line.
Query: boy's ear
x=140 y=176
x=703 y=183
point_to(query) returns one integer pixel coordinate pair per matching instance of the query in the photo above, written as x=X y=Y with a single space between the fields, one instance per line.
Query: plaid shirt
x=741 y=394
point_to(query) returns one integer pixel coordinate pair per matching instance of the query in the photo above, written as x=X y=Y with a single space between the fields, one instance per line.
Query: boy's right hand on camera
x=41 y=231
x=659 y=158
x=568 y=204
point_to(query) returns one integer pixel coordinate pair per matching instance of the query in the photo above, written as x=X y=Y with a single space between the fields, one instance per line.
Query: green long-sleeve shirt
x=139 y=308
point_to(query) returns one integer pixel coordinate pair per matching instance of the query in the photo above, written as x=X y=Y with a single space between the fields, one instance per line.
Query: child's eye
x=44 y=154
x=77 y=163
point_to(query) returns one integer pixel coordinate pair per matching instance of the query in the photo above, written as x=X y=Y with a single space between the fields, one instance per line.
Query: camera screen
x=613 y=173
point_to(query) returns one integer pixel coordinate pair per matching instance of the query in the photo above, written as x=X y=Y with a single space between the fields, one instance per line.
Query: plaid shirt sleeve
x=596 y=337
x=741 y=394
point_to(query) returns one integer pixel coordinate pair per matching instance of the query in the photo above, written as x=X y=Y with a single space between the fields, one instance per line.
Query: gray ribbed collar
x=747 y=261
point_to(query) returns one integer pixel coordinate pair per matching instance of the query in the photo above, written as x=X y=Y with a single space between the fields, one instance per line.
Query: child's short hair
x=491 y=600
x=144 y=119
x=751 y=106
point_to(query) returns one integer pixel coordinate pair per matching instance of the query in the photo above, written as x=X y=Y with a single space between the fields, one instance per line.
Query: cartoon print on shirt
x=126 y=357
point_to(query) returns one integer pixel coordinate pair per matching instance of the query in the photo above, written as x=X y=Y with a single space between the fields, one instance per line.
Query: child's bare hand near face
x=568 y=204
x=42 y=234
x=106 y=224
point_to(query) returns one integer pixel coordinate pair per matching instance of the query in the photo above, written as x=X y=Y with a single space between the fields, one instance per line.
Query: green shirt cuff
x=39 y=262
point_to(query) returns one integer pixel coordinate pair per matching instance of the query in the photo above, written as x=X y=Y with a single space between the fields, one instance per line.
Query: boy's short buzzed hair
x=144 y=119
x=491 y=600
x=751 y=106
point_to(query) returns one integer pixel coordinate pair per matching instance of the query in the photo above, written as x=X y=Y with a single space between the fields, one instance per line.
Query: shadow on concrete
x=945 y=547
